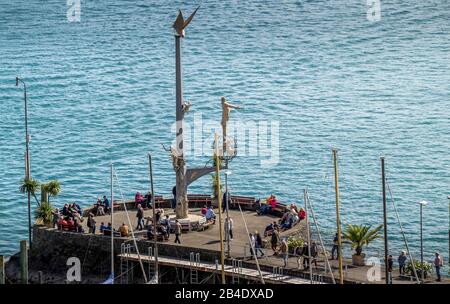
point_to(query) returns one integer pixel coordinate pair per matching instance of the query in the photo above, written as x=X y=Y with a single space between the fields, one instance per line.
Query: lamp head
x=227 y=172
x=423 y=203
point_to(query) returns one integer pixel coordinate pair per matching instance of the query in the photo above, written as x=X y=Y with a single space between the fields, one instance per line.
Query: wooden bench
x=205 y=225
x=107 y=232
x=279 y=209
x=67 y=228
x=199 y=200
x=246 y=203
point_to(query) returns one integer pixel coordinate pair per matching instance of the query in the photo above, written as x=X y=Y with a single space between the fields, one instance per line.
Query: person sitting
x=138 y=198
x=99 y=209
x=78 y=228
x=272 y=201
x=124 y=230
x=102 y=227
x=71 y=224
x=264 y=208
x=148 y=200
x=150 y=234
x=65 y=210
x=210 y=215
x=62 y=222
x=268 y=230
x=302 y=214
x=204 y=210
x=106 y=204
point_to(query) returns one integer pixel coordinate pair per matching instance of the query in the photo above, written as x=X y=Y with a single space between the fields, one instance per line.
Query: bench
x=199 y=200
x=205 y=225
x=107 y=232
x=246 y=203
x=279 y=208
x=67 y=228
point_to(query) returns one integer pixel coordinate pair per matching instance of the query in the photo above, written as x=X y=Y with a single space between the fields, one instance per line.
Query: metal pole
x=228 y=217
x=338 y=216
x=421 y=245
x=112 y=224
x=27 y=154
x=154 y=217
x=219 y=199
x=448 y=197
x=308 y=237
x=23 y=262
x=386 y=248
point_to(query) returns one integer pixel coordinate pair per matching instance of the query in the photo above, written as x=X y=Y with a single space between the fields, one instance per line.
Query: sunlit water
x=102 y=90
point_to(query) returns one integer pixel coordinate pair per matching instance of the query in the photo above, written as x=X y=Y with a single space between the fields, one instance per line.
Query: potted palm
x=426 y=268
x=359 y=236
x=44 y=214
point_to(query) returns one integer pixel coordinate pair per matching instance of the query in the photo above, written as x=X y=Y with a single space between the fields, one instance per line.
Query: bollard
x=2 y=269
x=40 y=277
x=23 y=262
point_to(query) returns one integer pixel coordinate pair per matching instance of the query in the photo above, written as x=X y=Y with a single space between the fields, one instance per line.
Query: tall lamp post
x=27 y=153
x=227 y=198
x=422 y=204
x=448 y=197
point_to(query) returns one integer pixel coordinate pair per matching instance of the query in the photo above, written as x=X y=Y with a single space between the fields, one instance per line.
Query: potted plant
x=52 y=188
x=426 y=268
x=44 y=214
x=359 y=236
x=294 y=242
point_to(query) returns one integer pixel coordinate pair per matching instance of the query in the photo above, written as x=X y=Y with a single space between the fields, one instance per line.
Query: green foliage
x=44 y=213
x=53 y=188
x=29 y=186
x=294 y=242
x=427 y=267
x=360 y=235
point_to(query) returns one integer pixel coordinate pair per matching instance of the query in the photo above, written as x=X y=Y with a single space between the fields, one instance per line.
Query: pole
x=219 y=199
x=228 y=217
x=421 y=244
x=338 y=216
x=112 y=224
x=155 y=243
x=448 y=197
x=308 y=237
x=386 y=248
x=2 y=269
x=27 y=154
x=23 y=262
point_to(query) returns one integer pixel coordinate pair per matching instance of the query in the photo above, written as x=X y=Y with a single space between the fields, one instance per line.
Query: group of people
x=68 y=218
x=267 y=205
x=144 y=200
x=291 y=217
x=102 y=206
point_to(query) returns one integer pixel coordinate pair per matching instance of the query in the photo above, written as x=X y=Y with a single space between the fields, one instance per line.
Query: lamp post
x=422 y=203
x=27 y=153
x=448 y=197
x=226 y=206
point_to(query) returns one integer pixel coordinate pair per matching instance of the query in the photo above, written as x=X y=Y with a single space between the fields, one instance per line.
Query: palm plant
x=29 y=185
x=360 y=235
x=52 y=188
x=44 y=214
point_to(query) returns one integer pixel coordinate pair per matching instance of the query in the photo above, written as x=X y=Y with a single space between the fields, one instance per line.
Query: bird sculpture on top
x=180 y=24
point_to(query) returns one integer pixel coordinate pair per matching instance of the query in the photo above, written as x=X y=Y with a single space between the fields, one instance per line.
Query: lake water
x=102 y=90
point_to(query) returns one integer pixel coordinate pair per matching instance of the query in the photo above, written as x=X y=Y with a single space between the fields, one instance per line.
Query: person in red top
x=302 y=214
x=138 y=198
x=272 y=201
x=62 y=222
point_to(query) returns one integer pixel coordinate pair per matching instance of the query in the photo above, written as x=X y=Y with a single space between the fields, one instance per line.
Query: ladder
x=194 y=262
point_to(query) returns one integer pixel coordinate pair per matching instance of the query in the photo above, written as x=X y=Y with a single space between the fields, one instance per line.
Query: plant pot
x=359 y=260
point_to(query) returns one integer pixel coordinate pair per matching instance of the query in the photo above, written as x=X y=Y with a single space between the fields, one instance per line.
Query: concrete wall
x=52 y=248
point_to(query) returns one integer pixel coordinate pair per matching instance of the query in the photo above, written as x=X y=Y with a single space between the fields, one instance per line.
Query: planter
x=359 y=260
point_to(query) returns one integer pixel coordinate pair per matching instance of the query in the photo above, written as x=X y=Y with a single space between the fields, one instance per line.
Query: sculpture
x=226 y=109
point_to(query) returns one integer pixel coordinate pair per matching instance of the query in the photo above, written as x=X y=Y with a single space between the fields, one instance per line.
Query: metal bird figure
x=180 y=24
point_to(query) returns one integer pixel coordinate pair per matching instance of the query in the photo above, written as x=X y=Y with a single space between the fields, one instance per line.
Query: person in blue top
x=106 y=204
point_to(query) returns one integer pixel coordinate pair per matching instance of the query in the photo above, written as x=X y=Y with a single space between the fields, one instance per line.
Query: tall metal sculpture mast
x=179 y=163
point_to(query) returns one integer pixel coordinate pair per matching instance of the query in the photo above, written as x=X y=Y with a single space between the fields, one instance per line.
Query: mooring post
x=40 y=277
x=2 y=269
x=23 y=262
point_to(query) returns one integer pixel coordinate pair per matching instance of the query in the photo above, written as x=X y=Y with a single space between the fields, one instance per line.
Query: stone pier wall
x=52 y=248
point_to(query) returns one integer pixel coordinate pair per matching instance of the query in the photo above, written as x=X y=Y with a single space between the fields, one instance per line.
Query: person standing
x=438 y=263
x=177 y=232
x=335 y=248
x=229 y=227
x=390 y=262
x=91 y=223
x=252 y=244
x=275 y=239
x=140 y=217
x=106 y=204
x=284 y=252
x=258 y=243
x=401 y=262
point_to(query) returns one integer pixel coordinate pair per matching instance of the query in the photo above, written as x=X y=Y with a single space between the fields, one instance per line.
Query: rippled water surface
x=102 y=90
